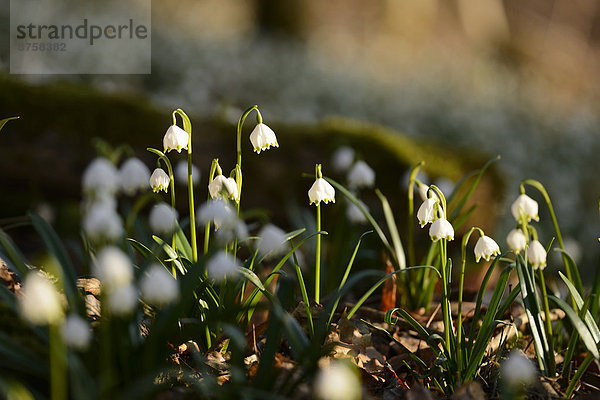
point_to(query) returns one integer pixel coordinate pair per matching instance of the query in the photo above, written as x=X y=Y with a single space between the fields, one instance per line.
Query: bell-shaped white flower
x=428 y=211
x=102 y=223
x=338 y=381
x=536 y=254
x=133 y=175
x=422 y=189
x=526 y=205
x=517 y=370
x=40 y=302
x=158 y=286
x=159 y=180
x=181 y=173
x=113 y=268
x=485 y=248
x=175 y=139
x=272 y=241
x=441 y=229
x=100 y=176
x=222 y=266
x=122 y=300
x=343 y=158
x=516 y=240
x=217 y=212
x=76 y=332
x=262 y=138
x=163 y=218
x=361 y=175
x=321 y=191
x=355 y=214
x=223 y=188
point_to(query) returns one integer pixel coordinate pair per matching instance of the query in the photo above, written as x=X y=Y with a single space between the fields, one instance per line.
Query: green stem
x=577 y=377
x=445 y=296
x=187 y=126
x=318 y=256
x=58 y=367
x=211 y=176
x=411 y=211
x=239 y=132
x=548 y=324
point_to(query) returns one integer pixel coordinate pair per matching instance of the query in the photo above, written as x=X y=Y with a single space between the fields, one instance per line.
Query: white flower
x=163 y=218
x=321 y=190
x=486 y=247
x=441 y=229
x=536 y=254
x=272 y=241
x=423 y=189
x=217 y=212
x=355 y=214
x=428 y=211
x=361 y=175
x=517 y=371
x=181 y=173
x=262 y=138
x=102 y=222
x=100 y=176
x=343 y=158
x=133 y=175
x=158 y=286
x=222 y=187
x=113 y=267
x=516 y=240
x=76 y=332
x=221 y=266
x=40 y=303
x=159 y=180
x=526 y=205
x=338 y=381
x=122 y=300
x=175 y=139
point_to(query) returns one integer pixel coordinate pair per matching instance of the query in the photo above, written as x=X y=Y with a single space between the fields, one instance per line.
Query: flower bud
x=536 y=254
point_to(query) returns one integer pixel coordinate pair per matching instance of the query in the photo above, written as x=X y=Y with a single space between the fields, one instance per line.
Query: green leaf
x=578 y=324
x=391 y=223
x=5 y=120
x=251 y=276
x=589 y=320
x=182 y=244
x=467 y=195
x=172 y=254
x=13 y=257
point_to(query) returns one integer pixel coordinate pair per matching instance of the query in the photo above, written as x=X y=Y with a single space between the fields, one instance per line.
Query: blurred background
x=473 y=78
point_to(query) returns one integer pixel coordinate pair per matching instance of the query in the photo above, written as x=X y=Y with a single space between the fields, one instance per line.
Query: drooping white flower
x=262 y=138
x=338 y=381
x=159 y=180
x=122 y=300
x=102 y=222
x=526 y=205
x=441 y=229
x=361 y=175
x=272 y=241
x=100 y=176
x=133 y=175
x=222 y=266
x=343 y=158
x=536 y=254
x=158 y=286
x=355 y=214
x=217 y=212
x=428 y=212
x=485 y=248
x=517 y=371
x=222 y=187
x=163 y=218
x=76 y=332
x=40 y=302
x=175 y=139
x=113 y=268
x=516 y=240
x=422 y=189
x=321 y=190
x=181 y=173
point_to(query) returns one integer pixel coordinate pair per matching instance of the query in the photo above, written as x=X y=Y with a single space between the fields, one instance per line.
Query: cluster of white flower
x=524 y=209
x=430 y=211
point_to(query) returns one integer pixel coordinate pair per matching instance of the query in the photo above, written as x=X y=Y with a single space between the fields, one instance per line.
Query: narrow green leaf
x=467 y=195
x=391 y=223
x=172 y=254
x=13 y=257
x=5 y=120
x=589 y=320
x=585 y=334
